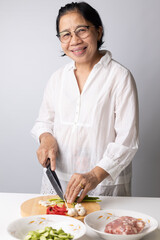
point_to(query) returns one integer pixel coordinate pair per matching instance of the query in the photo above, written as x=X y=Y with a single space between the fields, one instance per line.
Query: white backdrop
x=30 y=53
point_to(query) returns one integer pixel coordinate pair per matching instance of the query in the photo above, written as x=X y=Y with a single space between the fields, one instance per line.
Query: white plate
x=20 y=227
x=97 y=221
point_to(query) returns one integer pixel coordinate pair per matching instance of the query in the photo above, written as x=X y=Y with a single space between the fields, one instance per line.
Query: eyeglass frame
x=87 y=26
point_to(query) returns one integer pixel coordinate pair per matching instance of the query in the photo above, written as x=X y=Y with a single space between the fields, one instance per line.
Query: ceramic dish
x=20 y=227
x=97 y=221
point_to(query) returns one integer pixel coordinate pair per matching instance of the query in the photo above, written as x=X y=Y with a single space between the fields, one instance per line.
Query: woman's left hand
x=84 y=183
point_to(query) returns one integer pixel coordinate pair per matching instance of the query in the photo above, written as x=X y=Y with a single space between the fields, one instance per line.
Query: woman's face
x=80 y=50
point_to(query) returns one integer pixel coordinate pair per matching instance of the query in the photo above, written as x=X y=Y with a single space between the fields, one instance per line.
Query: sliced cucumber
x=48 y=233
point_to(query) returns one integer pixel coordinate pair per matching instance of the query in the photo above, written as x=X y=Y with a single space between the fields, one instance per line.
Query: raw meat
x=125 y=225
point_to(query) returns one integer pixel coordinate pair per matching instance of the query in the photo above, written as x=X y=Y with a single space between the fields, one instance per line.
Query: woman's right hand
x=47 y=150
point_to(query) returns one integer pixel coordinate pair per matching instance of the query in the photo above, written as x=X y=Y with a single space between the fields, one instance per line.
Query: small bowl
x=19 y=228
x=97 y=221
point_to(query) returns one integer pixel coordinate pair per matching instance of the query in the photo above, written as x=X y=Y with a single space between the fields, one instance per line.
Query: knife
x=55 y=182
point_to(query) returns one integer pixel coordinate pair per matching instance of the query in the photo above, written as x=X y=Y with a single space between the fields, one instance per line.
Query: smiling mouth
x=79 y=50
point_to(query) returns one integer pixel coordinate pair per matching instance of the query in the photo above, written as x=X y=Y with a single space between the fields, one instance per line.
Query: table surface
x=10 y=210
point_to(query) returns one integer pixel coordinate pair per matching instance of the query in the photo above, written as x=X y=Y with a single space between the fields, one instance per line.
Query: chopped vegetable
x=72 y=212
x=90 y=199
x=56 y=200
x=48 y=233
x=86 y=199
x=60 y=209
x=57 y=210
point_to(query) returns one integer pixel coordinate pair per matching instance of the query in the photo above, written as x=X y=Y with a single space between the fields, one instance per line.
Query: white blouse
x=98 y=127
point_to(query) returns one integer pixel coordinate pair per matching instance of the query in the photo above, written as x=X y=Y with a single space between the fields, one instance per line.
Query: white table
x=10 y=210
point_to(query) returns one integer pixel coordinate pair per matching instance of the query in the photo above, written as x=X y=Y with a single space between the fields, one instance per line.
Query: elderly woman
x=88 y=121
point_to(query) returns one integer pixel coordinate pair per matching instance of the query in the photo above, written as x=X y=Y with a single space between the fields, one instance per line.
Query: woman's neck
x=83 y=70
x=87 y=66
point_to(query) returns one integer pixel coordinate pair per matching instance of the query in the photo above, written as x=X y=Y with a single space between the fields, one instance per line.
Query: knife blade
x=55 y=182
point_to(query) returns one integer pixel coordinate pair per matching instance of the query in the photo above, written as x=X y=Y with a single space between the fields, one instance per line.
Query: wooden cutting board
x=32 y=207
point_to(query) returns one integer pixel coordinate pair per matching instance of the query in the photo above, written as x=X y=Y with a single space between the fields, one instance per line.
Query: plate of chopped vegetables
x=46 y=227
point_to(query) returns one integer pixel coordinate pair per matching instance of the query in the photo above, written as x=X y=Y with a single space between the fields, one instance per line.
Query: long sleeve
x=120 y=153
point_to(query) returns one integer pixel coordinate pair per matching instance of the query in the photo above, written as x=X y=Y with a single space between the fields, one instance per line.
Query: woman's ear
x=100 y=32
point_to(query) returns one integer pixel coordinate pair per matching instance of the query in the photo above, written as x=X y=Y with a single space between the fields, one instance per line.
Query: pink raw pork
x=125 y=225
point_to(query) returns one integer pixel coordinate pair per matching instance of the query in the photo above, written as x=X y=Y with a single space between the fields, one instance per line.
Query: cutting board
x=32 y=207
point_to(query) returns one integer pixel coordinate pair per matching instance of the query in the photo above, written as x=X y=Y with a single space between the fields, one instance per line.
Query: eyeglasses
x=81 y=32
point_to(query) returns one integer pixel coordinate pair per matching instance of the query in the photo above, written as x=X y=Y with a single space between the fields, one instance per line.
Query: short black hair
x=88 y=12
